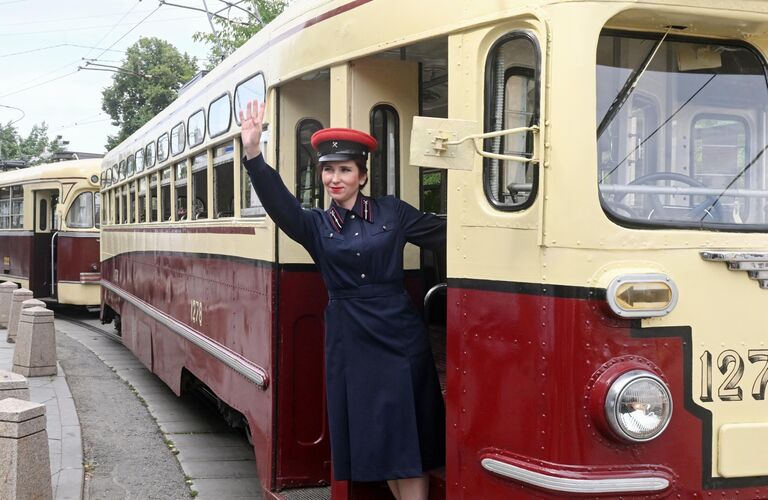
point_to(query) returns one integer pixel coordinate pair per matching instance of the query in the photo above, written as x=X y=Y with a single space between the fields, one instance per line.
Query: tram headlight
x=638 y=406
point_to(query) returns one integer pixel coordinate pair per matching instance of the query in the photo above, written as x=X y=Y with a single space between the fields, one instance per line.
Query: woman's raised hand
x=251 y=126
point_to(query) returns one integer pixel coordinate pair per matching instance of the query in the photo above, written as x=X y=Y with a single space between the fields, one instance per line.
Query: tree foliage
x=34 y=148
x=146 y=83
x=234 y=33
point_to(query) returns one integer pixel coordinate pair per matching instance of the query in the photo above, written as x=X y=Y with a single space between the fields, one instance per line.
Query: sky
x=43 y=42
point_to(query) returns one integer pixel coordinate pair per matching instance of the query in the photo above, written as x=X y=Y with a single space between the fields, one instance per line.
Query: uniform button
x=362 y=276
x=330 y=235
x=356 y=234
x=352 y=216
x=358 y=254
x=383 y=227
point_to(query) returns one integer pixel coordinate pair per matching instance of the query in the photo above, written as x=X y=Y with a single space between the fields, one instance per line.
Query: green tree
x=35 y=148
x=233 y=33
x=147 y=82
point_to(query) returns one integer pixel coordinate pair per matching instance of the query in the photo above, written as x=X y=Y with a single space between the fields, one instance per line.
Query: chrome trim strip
x=13 y=277
x=4 y=232
x=79 y=234
x=569 y=485
x=78 y=282
x=755 y=263
x=252 y=372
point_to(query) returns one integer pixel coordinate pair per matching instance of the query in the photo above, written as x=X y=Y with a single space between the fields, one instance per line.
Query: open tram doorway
x=42 y=279
x=388 y=90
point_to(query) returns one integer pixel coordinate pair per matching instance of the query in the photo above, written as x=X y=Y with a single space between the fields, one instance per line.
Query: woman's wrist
x=252 y=153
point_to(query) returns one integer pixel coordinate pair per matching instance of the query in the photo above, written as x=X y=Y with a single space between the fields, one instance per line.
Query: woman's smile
x=342 y=180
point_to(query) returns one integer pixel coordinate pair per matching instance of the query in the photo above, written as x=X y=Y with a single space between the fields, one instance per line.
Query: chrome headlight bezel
x=618 y=388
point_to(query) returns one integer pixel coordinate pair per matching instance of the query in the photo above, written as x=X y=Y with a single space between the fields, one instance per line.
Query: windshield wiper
x=629 y=87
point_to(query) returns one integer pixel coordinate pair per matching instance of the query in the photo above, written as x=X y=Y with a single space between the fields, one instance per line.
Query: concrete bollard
x=19 y=296
x=6 y=295
x=13 y=385
x=35 y=353
x=26 y=466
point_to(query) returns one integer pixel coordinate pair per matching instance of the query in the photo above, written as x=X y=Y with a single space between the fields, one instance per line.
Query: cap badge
x=334 y=145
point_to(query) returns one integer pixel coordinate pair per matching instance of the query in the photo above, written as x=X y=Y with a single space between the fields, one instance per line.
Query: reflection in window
x=385 y=161
x=675 y=143
x=149 y=155
x=140 y=160
x=309 y=186
x=180 y=176
x=511 y=102
x=199 y=186
x=43 y=210
x=196 y=129
x=143 y=199
x=165 y=194
x=162 y=148
x=219 y=116
x=121 y=169
x=132 y=203
x=246 y=92
x=80 y=214
x=130 y=166
x=224 y=180
x=250 y=205
x=177 y=139
x=97 y=209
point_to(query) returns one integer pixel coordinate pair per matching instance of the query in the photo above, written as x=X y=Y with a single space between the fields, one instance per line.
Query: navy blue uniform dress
x=385 y=408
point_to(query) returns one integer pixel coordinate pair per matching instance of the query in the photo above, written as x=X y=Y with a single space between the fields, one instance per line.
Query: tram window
x=43 y=226
x=181 y=190
x=254 y=87
x=153 y=197
x=162 y=148
x=177 y=139
x=132 y=203
x=149 y=155
x=434 y=196
x=165 y=193
x=385 y=161
x=97 y=209
x=250 y=205
x=121 y=170
x=143 y=199
x=139 y=161
x=130 y=166
x=677 y=144
x=196 y=129
x=5 y=208
x=223 y=180
x=113 y=174
x=309 y=186
x=17 y=207
x=199 y=187
x=511 y=101
x=80 y=214
x=219 y=116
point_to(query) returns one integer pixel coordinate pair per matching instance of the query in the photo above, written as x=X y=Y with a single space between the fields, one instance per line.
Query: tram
x=597 y=315
x=49 y=230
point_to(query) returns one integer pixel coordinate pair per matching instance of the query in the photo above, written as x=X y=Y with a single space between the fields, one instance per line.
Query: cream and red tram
x=601 y=167
x=49 y=230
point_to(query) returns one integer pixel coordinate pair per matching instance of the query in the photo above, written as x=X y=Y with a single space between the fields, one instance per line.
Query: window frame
x=167 y=138
x=240 y=84
x=229 y=113
x=200 y=112
x=297 y=173
x=183 y=135
x=148 y=164
x=488 y=102
x=386 y=108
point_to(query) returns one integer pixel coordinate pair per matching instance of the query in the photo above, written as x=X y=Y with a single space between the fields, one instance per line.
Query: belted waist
x=367 y=291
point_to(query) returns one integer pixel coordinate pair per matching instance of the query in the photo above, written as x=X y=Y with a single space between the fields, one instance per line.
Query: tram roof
x=73 y=169
x=301 y=40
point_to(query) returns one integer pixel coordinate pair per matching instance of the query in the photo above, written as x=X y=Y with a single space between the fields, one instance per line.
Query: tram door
x=43 y=269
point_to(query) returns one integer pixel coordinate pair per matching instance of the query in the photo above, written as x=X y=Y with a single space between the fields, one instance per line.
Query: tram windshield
x=681 y=137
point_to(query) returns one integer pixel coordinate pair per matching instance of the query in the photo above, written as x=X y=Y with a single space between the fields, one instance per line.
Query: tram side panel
x=16 y=250
x=516 y=395
x=78 y=268
x=238 y=300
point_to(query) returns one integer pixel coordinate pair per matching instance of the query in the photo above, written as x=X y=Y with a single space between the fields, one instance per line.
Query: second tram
x=49 y=230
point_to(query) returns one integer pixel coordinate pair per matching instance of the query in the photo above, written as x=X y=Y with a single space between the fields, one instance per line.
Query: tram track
x=112 y=336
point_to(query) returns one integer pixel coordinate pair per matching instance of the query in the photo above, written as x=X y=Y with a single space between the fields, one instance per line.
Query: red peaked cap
x=339 y=144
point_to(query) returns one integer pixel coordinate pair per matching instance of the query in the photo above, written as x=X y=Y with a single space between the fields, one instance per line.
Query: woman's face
x=342 y=180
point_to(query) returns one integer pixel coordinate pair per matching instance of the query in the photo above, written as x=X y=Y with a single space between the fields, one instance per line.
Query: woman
x=385 y=408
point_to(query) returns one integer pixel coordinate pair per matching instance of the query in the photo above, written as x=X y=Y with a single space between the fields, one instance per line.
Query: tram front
x=608 y=259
